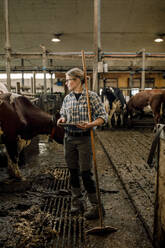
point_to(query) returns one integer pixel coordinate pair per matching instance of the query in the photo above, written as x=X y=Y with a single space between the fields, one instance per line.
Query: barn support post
x=23 y=82
x=18 y=88
x=143 y=70
x=34 y=82
x=32 y=85
x=130 y=82
x=44 y=66
x=7 y=44
x=131 y=79
x=51 y=77
x=97 y=44
x=51 y=82
x=89 y=83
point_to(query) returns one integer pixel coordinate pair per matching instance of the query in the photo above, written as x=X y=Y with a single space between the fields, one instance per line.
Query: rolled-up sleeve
x=98 y=110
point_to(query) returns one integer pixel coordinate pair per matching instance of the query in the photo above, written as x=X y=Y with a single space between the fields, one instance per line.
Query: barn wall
x=159 y=81
x=123 y=78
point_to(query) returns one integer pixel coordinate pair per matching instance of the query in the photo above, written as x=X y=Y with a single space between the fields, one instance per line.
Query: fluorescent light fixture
x=55 y=39
x=159 y=39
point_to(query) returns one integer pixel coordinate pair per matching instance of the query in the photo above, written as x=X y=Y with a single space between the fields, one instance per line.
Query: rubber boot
x=78 y=203
x=93 y=211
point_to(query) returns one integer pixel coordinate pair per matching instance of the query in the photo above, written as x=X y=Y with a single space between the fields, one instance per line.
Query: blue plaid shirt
x=77 y=111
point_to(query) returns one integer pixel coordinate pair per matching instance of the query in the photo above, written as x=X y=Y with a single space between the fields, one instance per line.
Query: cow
x=114 y=103
x=154 y=98
x=20 y=121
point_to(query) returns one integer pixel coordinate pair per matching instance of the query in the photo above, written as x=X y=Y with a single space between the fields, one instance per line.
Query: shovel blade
x=101 y=230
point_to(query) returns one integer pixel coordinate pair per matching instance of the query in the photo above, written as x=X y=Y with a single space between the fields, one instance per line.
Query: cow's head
x=108 y=92
x=57 y=132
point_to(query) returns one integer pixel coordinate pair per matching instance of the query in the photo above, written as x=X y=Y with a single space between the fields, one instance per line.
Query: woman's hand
x=61 y=120
x=85 y=125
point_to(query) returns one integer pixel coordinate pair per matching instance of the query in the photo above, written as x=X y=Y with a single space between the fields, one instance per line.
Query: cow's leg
x=116 y=117
x=107 y=109
x=21 y=144
x=117 y=112
x=13 y=169
x=122 y=119
x=155 y=106
x=109 y=121
x=156 y=120
x=112 y=111
x=117 y=120
x=12 y=156
x=110 y=118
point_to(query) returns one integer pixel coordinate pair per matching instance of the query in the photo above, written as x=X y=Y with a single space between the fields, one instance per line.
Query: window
x=134 y=91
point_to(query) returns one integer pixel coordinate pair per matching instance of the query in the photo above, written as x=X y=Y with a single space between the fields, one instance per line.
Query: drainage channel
x=69 y=231
x=145 y=225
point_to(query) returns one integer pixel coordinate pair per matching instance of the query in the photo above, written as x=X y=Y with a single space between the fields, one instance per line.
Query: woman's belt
x=78 y=134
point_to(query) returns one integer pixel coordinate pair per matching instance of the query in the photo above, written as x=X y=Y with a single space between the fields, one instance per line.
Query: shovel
x=102 y=229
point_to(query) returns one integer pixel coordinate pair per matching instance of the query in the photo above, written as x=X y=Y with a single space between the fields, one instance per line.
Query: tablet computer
x=65 y=124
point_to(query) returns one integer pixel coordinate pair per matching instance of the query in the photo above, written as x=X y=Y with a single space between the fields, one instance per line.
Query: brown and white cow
x=154 y=98
x=21 y=120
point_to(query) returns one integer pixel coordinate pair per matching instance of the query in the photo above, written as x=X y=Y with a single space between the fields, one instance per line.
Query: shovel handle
x=92 y=142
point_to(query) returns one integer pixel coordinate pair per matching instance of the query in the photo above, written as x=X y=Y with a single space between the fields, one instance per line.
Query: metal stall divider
x=159 y=211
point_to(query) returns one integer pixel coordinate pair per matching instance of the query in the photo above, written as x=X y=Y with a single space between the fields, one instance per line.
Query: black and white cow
x=115 y=104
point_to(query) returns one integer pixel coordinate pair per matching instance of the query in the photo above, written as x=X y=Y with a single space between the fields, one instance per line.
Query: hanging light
x=159 y=38
x=56 y=38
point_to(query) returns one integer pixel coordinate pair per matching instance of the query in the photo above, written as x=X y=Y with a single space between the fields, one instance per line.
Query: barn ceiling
x=126 y=26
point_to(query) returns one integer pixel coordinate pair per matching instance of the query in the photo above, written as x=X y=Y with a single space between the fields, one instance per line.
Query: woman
x=77 y=142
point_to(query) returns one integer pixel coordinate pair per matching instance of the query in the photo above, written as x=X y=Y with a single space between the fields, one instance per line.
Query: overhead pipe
x=44 y=64
x=78 y=54
x=49 y=54
x=7 y=44
x=128 y=55
x=143 y=70
x=23 y=81
x=63 y=70
x=86 y=53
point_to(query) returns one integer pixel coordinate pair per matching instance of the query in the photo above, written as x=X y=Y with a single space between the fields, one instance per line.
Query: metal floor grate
x=69 y=230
